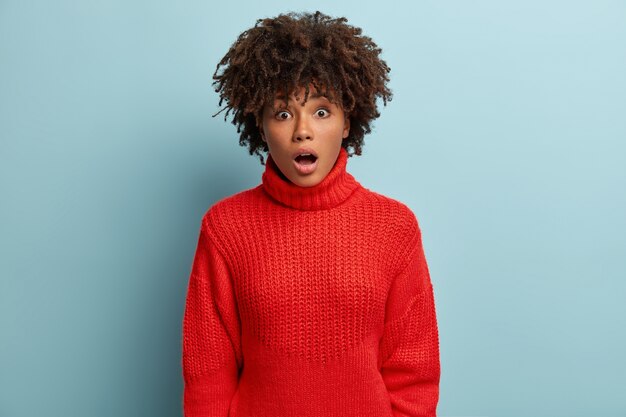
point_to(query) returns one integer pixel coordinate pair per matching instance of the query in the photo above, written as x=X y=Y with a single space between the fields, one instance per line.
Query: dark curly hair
x=293 y=50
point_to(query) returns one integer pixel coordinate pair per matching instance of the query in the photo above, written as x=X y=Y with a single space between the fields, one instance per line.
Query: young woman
x=309 y=294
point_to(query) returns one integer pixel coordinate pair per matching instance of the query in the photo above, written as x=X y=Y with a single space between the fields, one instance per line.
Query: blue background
x=505 y=136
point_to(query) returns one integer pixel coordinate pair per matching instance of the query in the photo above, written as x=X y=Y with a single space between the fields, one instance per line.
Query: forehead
x=279 y=96
x=312 y=94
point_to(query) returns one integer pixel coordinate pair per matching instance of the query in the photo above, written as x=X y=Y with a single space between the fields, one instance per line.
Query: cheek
x=278 y=131
x=335 y=130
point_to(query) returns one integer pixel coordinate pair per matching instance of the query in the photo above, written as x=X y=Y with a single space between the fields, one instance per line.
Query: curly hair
x=293 y=50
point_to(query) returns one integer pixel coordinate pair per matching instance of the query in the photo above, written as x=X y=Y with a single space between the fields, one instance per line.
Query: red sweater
x=310 y=301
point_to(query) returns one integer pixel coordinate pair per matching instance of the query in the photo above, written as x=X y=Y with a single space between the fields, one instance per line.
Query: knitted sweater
x=310 y=301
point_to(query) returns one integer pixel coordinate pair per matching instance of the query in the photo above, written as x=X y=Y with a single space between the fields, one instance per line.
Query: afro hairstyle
x=294 y=50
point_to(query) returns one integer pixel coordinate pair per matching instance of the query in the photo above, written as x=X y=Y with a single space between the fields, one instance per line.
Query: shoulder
x=399 y=226
x=397 y=214
x=225 y=215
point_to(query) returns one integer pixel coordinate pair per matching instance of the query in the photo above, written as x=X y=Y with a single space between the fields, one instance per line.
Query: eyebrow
x=280 y=96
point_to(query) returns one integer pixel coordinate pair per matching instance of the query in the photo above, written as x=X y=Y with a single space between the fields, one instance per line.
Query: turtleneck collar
x=334 y=189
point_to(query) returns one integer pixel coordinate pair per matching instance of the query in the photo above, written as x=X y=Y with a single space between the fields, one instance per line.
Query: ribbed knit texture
x=310 y=301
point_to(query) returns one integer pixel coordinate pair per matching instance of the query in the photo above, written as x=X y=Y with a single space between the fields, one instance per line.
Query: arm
x=409 y=347
x=211 y=356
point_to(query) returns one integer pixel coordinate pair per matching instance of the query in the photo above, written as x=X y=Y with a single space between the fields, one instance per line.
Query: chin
x=307 y=181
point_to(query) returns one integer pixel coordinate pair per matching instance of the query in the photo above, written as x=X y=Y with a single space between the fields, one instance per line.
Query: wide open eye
x=322 y=113
x=282 y=115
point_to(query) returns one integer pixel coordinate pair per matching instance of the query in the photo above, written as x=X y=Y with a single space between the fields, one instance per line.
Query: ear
x=262 y=132
x=346 y=127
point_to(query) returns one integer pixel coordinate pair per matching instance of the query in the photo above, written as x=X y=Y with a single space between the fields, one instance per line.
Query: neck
x=333 y=190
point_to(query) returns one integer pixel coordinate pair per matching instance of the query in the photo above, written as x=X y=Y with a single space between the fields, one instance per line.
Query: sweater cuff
x=209 y=396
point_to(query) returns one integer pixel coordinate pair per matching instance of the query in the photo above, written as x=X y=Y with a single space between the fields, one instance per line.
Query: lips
x=305 y=161
x=305 y=150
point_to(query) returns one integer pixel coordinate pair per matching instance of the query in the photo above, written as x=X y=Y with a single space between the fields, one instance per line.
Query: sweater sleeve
x=211 y=351
x=409 y=347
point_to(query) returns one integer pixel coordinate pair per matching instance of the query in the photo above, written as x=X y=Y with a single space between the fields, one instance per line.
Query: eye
x=322 y=113
x=282 y=115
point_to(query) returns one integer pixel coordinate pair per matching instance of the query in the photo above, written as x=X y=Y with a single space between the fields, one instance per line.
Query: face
x=319 y=126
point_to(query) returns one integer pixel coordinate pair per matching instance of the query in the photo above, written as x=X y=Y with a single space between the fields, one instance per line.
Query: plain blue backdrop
x=505 y=136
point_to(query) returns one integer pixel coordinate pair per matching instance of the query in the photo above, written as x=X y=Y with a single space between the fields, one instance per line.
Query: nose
x=302 y=130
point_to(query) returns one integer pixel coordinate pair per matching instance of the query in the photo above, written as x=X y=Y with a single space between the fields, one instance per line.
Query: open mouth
x=306 y=159
x=305 y=163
